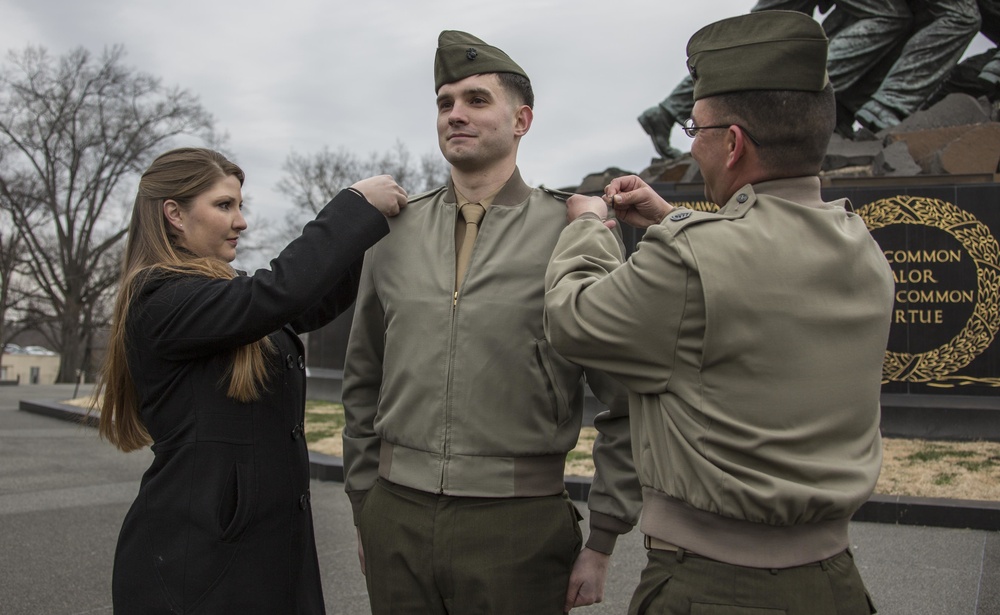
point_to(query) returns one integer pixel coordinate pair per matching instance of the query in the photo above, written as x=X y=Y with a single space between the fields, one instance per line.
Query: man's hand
x=361 y=552
x=635 y=203
x=577 y=205
x=586 y=582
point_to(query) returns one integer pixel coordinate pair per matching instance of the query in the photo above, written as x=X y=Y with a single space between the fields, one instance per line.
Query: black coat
x=222 y=522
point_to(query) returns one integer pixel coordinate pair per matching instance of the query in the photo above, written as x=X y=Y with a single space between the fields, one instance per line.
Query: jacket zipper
x=447 y=392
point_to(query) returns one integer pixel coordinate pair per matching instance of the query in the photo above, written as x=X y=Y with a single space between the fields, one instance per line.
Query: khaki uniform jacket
x=464 y=396
x=751 y=341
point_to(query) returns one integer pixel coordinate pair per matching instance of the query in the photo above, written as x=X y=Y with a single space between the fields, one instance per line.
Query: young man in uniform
x=751 y=339
x=459 y=414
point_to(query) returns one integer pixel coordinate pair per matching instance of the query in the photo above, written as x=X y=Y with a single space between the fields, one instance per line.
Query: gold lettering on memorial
x=921 y=317
x=919 y=306
x=923 y=256
x=696 y=205
x=922 y=275
x=934 y=296
x=914 y=276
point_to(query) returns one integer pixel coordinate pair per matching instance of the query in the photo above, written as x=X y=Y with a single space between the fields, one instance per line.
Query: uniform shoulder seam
x=560 y=195
x=424 y=195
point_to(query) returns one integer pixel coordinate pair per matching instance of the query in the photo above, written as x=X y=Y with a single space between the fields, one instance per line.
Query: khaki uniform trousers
x=676 y=583
x=430 y=554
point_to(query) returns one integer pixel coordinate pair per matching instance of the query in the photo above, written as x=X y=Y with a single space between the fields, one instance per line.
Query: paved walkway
x=63 y=494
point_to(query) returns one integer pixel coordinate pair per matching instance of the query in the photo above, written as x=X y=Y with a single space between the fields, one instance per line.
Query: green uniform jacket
x=464 y=396
x=751 y=341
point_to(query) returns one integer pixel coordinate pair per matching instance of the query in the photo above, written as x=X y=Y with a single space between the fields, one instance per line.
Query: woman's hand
x=383 y=192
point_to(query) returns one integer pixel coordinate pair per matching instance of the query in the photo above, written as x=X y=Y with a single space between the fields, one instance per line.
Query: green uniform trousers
x=678 y=583
x=428 y=554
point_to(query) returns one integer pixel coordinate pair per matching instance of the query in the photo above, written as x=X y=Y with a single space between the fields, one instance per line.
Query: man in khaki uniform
x=751 y=339
x=459 y=414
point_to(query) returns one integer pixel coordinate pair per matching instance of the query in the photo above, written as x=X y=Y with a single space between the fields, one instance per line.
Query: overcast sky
x=299 y=75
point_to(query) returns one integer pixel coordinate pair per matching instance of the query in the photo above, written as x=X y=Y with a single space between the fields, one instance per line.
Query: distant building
x=30 y=365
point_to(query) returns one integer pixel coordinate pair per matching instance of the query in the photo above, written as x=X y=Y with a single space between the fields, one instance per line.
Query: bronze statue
x=886 y=57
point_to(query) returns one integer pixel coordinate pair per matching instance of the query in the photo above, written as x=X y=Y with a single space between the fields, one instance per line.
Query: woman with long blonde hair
x=204 y=365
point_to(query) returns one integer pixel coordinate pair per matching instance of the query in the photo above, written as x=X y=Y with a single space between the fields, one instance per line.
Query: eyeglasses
x=691 y=130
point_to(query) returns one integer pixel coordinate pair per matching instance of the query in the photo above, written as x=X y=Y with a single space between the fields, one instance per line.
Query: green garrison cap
x=767 y=50
x=460 y=55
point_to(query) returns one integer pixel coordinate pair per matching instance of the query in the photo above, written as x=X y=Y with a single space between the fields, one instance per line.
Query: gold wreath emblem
x=980 y=244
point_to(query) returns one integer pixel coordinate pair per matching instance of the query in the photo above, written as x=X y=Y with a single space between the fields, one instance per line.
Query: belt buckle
x=653 y=543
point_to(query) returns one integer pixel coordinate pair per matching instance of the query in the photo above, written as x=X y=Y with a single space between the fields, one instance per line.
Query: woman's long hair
x=151 y=249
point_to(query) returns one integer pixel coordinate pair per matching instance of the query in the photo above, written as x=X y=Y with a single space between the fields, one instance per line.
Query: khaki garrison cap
x=460 y=55
x=767 y=50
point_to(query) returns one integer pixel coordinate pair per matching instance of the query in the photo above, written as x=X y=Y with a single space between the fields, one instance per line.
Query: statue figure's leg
x=658 y=121
x=873 y=28
x=990 y=12
x=926 y=59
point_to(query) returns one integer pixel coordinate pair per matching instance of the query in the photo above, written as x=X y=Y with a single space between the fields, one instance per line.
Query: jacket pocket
x=237 y=503
x=561 y=379
x=226 y=427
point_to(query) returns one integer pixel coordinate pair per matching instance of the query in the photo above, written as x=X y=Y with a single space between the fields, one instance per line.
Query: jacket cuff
x=362 y=212
x=604 y=532
x=589 y=215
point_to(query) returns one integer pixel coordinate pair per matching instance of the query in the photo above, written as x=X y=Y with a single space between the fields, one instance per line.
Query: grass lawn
x=922 y=468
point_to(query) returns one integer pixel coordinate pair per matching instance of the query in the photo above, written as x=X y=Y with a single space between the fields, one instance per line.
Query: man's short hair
x=793 y=127
x=518 y=87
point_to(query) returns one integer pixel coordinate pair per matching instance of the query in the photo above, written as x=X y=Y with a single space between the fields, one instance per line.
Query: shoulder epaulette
x=561 y=195
x=423 y=195
x=682 y=218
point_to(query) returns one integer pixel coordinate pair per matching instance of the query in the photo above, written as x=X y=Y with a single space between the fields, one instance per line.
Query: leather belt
x=654 y=543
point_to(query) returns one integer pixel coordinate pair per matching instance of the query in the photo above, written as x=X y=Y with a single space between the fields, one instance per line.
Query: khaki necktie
x=473 y=214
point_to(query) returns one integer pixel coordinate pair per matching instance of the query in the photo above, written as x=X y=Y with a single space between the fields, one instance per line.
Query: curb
x=890 y=509
x=56 y=410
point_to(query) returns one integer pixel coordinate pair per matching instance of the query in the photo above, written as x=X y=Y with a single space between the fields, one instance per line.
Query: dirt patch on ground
x=939 y=469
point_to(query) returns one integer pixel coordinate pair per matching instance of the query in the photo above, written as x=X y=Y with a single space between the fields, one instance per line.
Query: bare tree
x=72 y=129
x=11 y=261
x=434 y=172
x=14 y=289
x=312 y=179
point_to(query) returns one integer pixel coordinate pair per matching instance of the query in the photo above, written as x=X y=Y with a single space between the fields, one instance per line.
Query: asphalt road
x=64 y=493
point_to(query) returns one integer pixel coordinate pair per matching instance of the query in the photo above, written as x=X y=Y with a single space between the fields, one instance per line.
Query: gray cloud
x=304 y=74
